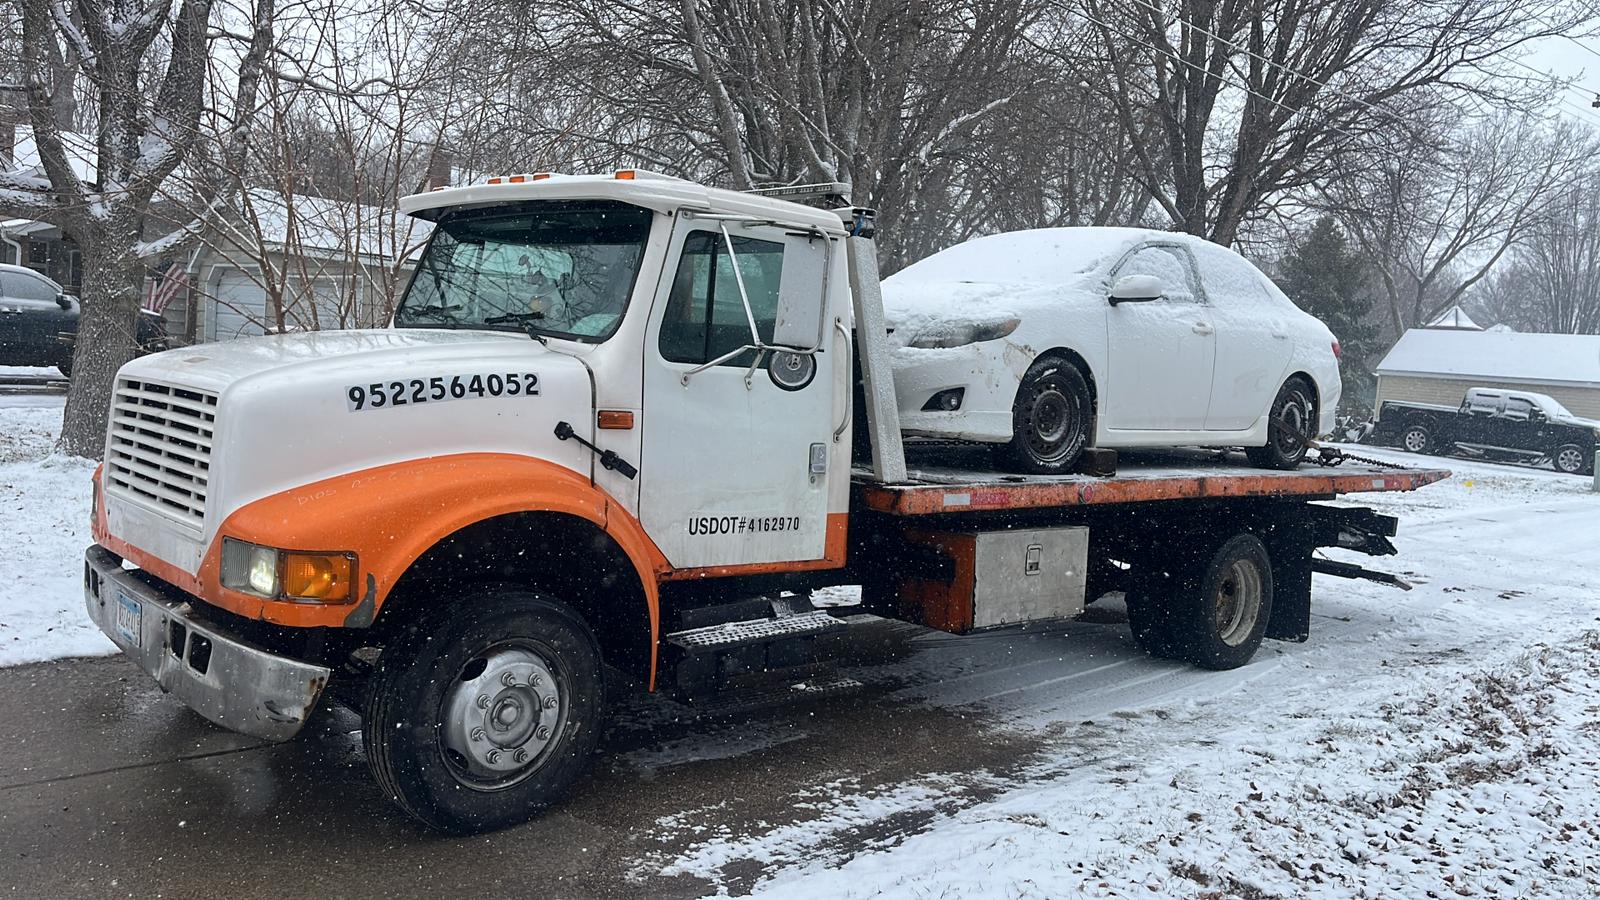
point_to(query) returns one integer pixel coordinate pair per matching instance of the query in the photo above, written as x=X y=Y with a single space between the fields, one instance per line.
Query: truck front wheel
x=484 y=712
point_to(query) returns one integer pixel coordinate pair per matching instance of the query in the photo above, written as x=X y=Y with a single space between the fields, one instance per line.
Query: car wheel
x=1052 y=419
x=1571 y=459
x=1416 y=439
x=1291 y=426
x=484 y=713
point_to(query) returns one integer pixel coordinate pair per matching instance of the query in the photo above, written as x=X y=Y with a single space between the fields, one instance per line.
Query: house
x=1436 y=365
x=39 y=245
x=293 y=263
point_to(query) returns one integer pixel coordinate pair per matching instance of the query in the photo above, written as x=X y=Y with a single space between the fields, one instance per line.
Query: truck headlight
x=287 y=574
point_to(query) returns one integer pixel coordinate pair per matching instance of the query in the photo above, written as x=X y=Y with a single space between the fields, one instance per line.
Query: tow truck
x=620 y=429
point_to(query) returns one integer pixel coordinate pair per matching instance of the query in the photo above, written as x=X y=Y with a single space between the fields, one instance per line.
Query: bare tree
x=1437 y=216
x=1255 y=98
x=1552 y=283
x=145 y=67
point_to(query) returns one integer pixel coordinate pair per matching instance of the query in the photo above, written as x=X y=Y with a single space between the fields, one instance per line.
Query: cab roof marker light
x=626 y=174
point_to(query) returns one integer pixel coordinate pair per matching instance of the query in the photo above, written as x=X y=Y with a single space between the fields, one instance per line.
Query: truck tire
x=484 y=712
x=1291 y=427
x=1417 y=438
x=1572 y=459
x=1052 y=419
x=65 y=365
x=1211 y=610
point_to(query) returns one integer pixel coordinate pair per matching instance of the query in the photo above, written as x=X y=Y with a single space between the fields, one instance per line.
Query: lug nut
x=508 y=679
x=550 y=702
x=477 y=734
x=543 y=733
x=520 y=756
x=494 y=757
x=483 y=701
x=535 y=680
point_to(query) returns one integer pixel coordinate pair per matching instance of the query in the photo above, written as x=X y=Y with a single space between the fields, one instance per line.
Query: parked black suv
x=1492 y=423
x=39 y=321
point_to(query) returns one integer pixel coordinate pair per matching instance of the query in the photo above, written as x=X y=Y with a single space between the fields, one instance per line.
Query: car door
x=33 y=317
x=1255 y=339
x=729 y=472
x=1161 y=353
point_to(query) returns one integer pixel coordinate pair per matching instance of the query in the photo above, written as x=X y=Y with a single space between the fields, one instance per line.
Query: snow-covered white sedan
x=1045 y=342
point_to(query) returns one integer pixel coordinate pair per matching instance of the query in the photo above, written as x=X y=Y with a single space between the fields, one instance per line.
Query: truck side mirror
x=1137 y=289
x=802 y=294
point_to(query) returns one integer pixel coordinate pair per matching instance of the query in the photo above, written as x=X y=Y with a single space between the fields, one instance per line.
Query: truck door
x=728 y=473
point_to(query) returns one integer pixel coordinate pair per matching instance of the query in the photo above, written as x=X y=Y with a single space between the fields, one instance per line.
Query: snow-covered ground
x=44 y=508
x=1433 y=743
x=1439 y=742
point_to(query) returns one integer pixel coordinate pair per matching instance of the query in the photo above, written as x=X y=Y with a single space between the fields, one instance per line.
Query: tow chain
x=1331 y=456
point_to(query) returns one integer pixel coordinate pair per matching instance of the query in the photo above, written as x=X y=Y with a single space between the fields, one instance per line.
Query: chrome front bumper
x=233 y=683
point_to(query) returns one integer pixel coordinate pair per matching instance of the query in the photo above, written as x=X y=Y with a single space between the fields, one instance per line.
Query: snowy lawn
x=1440 y=742
x=44 y=508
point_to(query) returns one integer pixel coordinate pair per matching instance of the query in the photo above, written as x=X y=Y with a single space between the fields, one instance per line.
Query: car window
x=26 y=287
x=1230 y=280
x=705 y=318
x=1518 y=408
x=1169 y=264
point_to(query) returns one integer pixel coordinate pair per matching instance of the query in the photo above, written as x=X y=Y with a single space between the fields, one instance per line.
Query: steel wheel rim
x=1294 y=418
x=1052 y=417
x=1236 y=602
x=1415 y=440
x=501 y=716
x=1569 y=460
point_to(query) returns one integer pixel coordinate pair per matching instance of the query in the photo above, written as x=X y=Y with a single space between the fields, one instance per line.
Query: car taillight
x=1336 y=353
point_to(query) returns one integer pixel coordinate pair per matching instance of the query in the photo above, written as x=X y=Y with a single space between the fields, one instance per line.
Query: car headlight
x=288 y=574
x=941 y=335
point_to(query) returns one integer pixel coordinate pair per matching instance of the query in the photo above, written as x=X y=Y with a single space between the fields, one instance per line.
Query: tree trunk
x=106 y=340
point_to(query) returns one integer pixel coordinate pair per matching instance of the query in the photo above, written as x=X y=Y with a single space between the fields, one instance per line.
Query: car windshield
x=558 y=269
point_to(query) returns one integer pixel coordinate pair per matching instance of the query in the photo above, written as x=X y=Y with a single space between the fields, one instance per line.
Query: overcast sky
x=1572 y=58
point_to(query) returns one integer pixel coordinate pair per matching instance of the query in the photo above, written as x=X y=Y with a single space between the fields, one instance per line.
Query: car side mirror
x=63 y=301
x=1137 y=289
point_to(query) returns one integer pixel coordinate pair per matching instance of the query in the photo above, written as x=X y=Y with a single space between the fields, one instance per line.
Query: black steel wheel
x=1211 y=610
x=1291 y=426
x=483 y=713
x=1052 y=419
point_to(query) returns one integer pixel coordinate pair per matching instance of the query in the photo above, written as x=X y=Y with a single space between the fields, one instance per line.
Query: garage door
x=238 y=307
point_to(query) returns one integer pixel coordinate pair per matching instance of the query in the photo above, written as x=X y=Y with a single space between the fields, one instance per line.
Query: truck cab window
x=704 y=318
x=556 y=268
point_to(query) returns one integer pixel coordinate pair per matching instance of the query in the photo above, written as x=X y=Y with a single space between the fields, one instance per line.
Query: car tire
x=483 y=713
x=1052 y=419
x=1291 y=426
x=65 y=365
x=1572 y=459
x=1417 y=438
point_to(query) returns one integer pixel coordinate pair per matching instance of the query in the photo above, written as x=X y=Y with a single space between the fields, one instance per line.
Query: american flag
x=163 y=283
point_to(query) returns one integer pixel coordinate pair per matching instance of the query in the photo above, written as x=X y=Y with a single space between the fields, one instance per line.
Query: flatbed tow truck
x=607 y=443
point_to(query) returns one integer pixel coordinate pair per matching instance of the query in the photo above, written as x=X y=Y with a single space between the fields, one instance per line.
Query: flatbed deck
x=956 y=479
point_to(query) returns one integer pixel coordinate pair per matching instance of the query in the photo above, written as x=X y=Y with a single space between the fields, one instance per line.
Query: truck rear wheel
x=1416 y=438
x=485 y=712
x=1211 y=611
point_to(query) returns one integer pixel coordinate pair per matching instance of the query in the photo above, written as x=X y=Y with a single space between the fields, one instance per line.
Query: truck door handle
x=1203 y=328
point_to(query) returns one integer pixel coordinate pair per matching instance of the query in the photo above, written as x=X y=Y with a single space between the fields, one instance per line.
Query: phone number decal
x=412 y=391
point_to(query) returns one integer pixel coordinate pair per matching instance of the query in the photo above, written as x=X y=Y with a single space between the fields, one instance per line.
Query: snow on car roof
x=1037 y=256
x=1505 y=356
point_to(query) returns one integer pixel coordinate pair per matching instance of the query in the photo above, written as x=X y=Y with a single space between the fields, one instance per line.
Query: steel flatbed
x=955 y=480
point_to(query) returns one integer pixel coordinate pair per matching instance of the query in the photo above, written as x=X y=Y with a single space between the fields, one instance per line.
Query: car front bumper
x=224 y=678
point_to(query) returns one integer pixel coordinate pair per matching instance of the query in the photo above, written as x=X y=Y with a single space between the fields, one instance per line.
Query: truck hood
x=1577 y=421
x=216 y=366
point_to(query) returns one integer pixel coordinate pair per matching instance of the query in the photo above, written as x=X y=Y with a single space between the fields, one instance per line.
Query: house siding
x=1582 y=401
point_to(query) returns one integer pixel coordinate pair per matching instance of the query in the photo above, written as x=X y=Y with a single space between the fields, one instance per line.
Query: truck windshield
x=555 y=268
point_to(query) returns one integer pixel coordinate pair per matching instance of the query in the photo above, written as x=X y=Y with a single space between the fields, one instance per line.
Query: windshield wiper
x=519 y=318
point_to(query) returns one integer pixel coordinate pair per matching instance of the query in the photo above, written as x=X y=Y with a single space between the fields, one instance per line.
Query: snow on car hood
x=990 y=280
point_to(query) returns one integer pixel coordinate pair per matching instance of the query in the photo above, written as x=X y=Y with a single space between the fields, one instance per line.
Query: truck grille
x=160 y=447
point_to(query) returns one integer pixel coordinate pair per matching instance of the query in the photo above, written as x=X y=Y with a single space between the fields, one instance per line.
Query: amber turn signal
x=322 y=577
x=619 y=419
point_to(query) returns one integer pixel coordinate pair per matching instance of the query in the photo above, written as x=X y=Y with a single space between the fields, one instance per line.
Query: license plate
x=130 y=616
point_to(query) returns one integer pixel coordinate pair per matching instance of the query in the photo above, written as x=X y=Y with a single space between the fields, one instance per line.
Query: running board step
x=729 y=635
x=737 y=700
